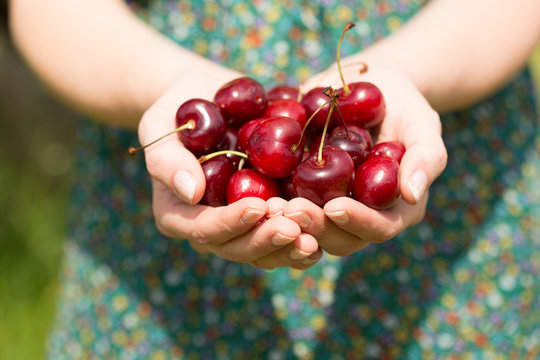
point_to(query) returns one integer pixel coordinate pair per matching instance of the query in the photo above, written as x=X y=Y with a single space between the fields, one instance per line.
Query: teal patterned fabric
x=463 y=284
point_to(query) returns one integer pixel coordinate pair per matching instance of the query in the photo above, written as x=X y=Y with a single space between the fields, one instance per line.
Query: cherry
x=363 y=104
x=241 y=100
x=209 y=127
x=287 y=188
x=283 y=92
x=360 y=103
x=356 y=145
x=248 y=182
x=314 y=102
x=289 y=108
x=245 y=132
x=376 y=182
x=325 y=177
x=275 y=146
x=393 y=149
x=217 y=171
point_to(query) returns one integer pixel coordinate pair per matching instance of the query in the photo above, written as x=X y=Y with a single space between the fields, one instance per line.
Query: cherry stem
x=190 y=125
x=295 y=147
x=321 y=145
x=222 y=152
x=350 y=25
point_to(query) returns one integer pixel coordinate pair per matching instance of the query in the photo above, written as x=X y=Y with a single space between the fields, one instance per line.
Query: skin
x=123 y=73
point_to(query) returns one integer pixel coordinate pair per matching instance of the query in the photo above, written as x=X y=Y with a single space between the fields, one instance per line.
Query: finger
x=290 y=255
x=168 y=161
x=264 y=239
x=312 y=219
x=204 y=224
x=275 y=206
x=424 y=160
x=373 y=225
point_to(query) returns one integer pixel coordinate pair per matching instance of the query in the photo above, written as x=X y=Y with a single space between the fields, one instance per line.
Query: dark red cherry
x=316 y=143
x=282 y=92
x=356 y=145
x=289 y=108
x=209 y=126
x=230 y=142
x=241 y=100
x=376 y=183
x=393 y=149
x=217 y=171
x=312 y=101
x=287 y=188
x=328 y=179
x=364 y=106
x=248 y=182
x=245 y=132
x=273 y=147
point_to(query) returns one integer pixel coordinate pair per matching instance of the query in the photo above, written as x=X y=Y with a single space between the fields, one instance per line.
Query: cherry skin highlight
x=328 y=179
x=271 y=147
x=209 y=127
x=251 y=183
x=241 y=100
x=217 y=172
x=376 y=182
x=393 y=149
x=364 y=106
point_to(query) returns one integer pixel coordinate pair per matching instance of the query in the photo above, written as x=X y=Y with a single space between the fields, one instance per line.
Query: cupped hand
x=344 y=225
x=242 y=232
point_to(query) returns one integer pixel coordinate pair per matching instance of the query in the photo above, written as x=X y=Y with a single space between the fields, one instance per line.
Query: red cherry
x=245 y=132
x=248 y=182
x=376 y=182
x=209 y=127
x=322 y=181
x=282 y=92
x=273 y=147
x=363 y=106
x=241 y=100
x=393 y=149
x=217 y=172
x=313 y=100
x=353 y=143
x=289 y=108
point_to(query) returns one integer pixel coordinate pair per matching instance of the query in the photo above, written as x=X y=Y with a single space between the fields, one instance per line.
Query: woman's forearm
x=98 y=57
x=460 y=51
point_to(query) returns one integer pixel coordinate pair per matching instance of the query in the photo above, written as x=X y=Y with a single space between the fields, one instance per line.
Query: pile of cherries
x=280 y=143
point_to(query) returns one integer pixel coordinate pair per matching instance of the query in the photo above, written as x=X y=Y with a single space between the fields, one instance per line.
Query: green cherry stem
x=321 y=145
x=346 y=89
x=222 y=152
x=190 y=125
x=295 y=147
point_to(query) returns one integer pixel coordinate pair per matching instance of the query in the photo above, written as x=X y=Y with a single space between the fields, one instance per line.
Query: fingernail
x=185 y=185
x=417 y=184
x=280 y=239
x=301 y=219
x=277 y=213
x=251 y=216
x=313 y=258
x=296 y=254
x=339 y=217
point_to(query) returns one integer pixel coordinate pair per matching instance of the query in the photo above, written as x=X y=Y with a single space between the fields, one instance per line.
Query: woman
x=460 y=282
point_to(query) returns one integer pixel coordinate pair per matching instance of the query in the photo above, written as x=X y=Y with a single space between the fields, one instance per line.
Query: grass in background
x=34 y=163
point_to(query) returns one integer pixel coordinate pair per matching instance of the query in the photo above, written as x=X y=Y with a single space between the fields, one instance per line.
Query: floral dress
x=463 y=284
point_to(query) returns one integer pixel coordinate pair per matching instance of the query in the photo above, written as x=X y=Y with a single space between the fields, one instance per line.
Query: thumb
x=424 y=160
x=170 y=163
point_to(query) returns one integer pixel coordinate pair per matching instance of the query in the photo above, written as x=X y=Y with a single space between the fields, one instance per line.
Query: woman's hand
x=246 y=231
x=345 y=225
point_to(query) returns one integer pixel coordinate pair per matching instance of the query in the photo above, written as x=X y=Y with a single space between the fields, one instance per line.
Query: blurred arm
x=460 y=51
x=98 y=57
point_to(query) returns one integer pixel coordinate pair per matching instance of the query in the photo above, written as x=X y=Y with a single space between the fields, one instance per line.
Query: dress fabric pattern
x=460 y=285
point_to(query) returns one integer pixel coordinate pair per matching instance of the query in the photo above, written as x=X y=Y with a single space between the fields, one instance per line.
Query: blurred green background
x=35 y=160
